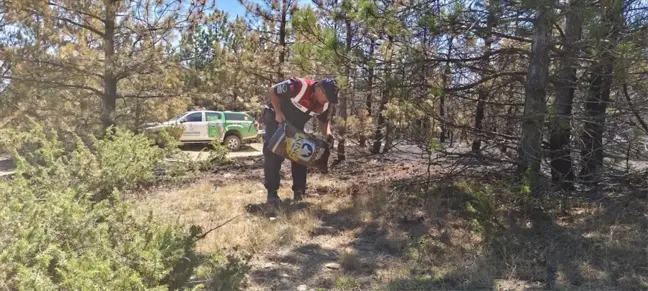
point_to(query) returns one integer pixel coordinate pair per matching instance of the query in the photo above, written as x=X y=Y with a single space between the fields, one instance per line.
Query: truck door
x=195 y=127
x=215 y=125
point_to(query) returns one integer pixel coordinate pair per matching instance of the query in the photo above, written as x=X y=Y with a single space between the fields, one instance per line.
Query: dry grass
x=384 y=238
x=209 y=206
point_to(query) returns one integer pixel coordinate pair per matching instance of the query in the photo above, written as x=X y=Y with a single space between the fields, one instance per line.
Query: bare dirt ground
x=370 y=228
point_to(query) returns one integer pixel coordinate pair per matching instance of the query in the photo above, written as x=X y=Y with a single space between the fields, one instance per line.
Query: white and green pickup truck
x=203 y=126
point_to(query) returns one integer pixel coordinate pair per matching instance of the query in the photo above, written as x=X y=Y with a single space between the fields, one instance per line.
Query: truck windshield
x=175 y=118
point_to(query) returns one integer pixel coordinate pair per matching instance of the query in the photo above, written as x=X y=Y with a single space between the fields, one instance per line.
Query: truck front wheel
x=233 y=142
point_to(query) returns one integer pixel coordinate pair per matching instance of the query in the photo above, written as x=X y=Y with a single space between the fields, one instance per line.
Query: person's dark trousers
x=272 y=162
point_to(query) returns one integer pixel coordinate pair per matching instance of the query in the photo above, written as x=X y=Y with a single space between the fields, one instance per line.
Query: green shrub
x=481 y=208
x=223 y=272
x=218 y=152
x=65 y=226
x=166 y=136
x=119 y=161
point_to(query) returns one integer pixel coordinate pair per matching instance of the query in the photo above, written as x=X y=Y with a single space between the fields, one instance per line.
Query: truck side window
x=194 y=117
x=213 y=116
x=236 y=117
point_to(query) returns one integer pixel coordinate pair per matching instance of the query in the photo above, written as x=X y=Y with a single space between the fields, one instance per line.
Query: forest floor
x=6 y=165
x=376 y=226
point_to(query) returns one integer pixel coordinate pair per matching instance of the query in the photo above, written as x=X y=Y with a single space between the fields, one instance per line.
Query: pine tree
x=111 y=50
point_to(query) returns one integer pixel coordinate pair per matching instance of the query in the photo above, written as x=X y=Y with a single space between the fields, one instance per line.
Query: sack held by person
x=300 y=147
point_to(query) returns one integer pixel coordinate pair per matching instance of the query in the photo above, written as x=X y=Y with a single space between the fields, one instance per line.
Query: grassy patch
x=209 y=206
x=345 y=282
x=457 y=236
x=466 y=236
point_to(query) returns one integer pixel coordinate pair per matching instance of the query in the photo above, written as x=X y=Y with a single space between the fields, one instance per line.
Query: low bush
x=166 y=136
x=218 y=152
x=223 y=271
x=119 y=161
x=66 y=227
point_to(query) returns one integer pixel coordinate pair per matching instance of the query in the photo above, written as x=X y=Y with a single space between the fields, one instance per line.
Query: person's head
x=326 y=90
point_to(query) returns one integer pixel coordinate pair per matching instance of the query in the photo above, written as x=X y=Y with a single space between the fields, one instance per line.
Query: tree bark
x=561 y=163
x=369 y=100
x=483 y=88
x=634 y=110
x=598 y=96
x=378 y=137
x=282 y=39
x=446 y=83
x=530 y=153
x=110 y=80
x=343 y=100
x=420 y=123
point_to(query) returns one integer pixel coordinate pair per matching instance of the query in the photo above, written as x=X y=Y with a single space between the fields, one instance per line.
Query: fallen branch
x=202 y=236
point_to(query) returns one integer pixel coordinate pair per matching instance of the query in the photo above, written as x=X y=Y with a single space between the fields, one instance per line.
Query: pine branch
x=68 y=67
x=84 y=26
x=54 y=84
x=76 y=11
x=511 y=37
x=634 y=109
x=33 y=12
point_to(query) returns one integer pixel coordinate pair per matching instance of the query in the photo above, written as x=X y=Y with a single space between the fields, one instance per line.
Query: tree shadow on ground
x=584 y=246
x=380 y=234
x=455 y=237
x=301 y=263
x=286 y=208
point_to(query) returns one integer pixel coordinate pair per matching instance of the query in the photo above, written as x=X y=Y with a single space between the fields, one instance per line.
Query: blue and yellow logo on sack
x=300 y=148
x=306 y=151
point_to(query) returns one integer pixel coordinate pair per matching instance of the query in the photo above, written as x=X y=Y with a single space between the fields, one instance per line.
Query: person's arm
x=276 y=104
x=325 y=124
x=325 y=127
x=279 y=91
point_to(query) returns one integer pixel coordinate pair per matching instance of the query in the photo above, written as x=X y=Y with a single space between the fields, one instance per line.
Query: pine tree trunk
x=379 y=136
x=479 y=120
x=561 y=163
x=446 y=83
x=534 y=107
x=421 y=126
x=343 y=100
x=508 y=130
x=599 y=94
x=110 y=81
x=282 y=39
x=483 y=90
x=389 y=138
x=369 y=100
x=442 y=113
x=595 y=105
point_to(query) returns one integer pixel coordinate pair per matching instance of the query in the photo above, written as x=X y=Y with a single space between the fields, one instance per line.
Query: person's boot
x=273 y=202
x=273 y=199
x=299 y=195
